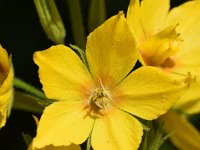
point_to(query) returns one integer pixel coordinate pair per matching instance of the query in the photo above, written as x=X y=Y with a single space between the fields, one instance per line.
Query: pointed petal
x=148 y=92
x=190 y=101
x=62 y=73
x=8 y=82
x=186 y=136
x=187 y=17
x=63 y=123
x=5 y=102
x=134 y=20
x=117 y=130
x=4 y=65
x=51 y=147
x=153 y=14
x=111 y=51
x=4 y=61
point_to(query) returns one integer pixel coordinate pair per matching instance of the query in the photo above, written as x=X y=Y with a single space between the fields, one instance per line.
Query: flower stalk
x=88 y=143
x=77 y=23
x=50 y=20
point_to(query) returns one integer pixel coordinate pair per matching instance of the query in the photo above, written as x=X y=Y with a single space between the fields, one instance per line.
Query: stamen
x=100 y=98
x=99 y=102
x=160 y=47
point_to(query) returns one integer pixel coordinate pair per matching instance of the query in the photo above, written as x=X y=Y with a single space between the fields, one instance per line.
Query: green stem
x=146 y=136
x=77 y=22
x=88 y=143
x=28 y=88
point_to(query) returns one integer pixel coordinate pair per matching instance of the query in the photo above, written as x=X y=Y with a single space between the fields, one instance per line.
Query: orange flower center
x=98 y=102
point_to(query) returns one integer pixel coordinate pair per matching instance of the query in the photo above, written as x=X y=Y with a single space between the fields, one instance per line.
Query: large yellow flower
x=170 y=40
x=6 y=89
x=101 y=102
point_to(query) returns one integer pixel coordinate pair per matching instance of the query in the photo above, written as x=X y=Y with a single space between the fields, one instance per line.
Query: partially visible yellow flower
x=6 y=86
x=103 y=100
x=185 y=136
x=170 y=40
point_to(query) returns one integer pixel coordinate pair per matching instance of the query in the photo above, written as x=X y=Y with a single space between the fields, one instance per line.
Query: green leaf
x=29 y=98
x=26 y=102
x=20 y=84
x=81 y=53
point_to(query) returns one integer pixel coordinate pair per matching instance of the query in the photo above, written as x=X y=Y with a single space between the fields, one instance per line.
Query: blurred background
x=21 y=34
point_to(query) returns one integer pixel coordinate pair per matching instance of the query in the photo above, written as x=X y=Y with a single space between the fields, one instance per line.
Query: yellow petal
x=148 y=92
x=187 y=16
x=186 y=137
x=4 y=61
x=63 y=123
x=111 y=51
x=4 y=65
x=62 y=73
x=51 y=147
x=134 y=20
x=6 y=101
x=153 y=14
x=116 y=131
x=190 y=101
x=6 y=96
x=188 y=62
x=8 y=82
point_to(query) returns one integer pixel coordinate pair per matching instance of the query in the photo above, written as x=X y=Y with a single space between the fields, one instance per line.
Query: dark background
x=21 y=34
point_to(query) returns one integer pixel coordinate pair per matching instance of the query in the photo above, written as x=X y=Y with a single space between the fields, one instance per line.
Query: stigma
x=99 y=101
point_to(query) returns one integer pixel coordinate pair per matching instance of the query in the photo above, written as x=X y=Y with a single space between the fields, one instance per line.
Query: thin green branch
x=20 y=84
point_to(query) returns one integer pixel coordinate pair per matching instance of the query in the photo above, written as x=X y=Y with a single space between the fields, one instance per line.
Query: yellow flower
x=6 y=89
x=157 y=42
x=101 y=101
x=170 y=40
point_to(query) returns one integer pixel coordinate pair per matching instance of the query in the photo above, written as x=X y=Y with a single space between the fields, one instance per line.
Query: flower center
x=100 y=99
x=158 y=49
